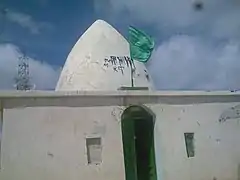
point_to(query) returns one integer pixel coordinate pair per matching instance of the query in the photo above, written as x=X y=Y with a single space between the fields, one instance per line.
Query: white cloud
x=43 y=75
x=218 y=17
x=185 y=62
x=26 y=21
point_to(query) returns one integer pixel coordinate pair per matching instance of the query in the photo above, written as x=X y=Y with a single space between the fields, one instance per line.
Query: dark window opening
x=189 y=141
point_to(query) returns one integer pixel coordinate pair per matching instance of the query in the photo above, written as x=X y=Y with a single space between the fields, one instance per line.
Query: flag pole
x=132 y=84
x=131 y=66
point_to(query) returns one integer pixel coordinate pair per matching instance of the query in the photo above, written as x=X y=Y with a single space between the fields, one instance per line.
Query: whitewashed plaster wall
x=217 y=144
x=49 y=143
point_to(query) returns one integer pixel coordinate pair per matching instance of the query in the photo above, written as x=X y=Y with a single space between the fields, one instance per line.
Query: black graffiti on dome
x=119 y=63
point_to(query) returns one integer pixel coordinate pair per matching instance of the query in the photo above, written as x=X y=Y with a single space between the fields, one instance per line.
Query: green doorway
x=138 y=144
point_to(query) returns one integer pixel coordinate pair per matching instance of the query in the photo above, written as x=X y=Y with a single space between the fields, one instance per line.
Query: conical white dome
x=100 y=61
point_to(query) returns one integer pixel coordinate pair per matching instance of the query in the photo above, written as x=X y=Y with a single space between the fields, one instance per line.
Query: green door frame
x=128 y=119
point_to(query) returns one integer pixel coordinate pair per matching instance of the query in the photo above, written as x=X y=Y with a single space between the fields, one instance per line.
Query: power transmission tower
x=22 y=81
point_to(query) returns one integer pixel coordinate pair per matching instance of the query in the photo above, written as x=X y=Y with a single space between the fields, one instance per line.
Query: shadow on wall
x=231 y=113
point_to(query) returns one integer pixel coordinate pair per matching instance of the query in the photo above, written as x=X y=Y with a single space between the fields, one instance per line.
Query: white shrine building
x=96 y=127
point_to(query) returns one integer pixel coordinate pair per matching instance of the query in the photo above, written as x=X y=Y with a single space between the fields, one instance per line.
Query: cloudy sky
x=194 y=49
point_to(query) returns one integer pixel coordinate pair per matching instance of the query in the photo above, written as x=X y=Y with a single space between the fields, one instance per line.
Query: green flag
x=141 y=45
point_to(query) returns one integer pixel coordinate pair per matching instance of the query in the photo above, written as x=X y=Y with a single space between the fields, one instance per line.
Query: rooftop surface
x=12 y=94
x=13 y=99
